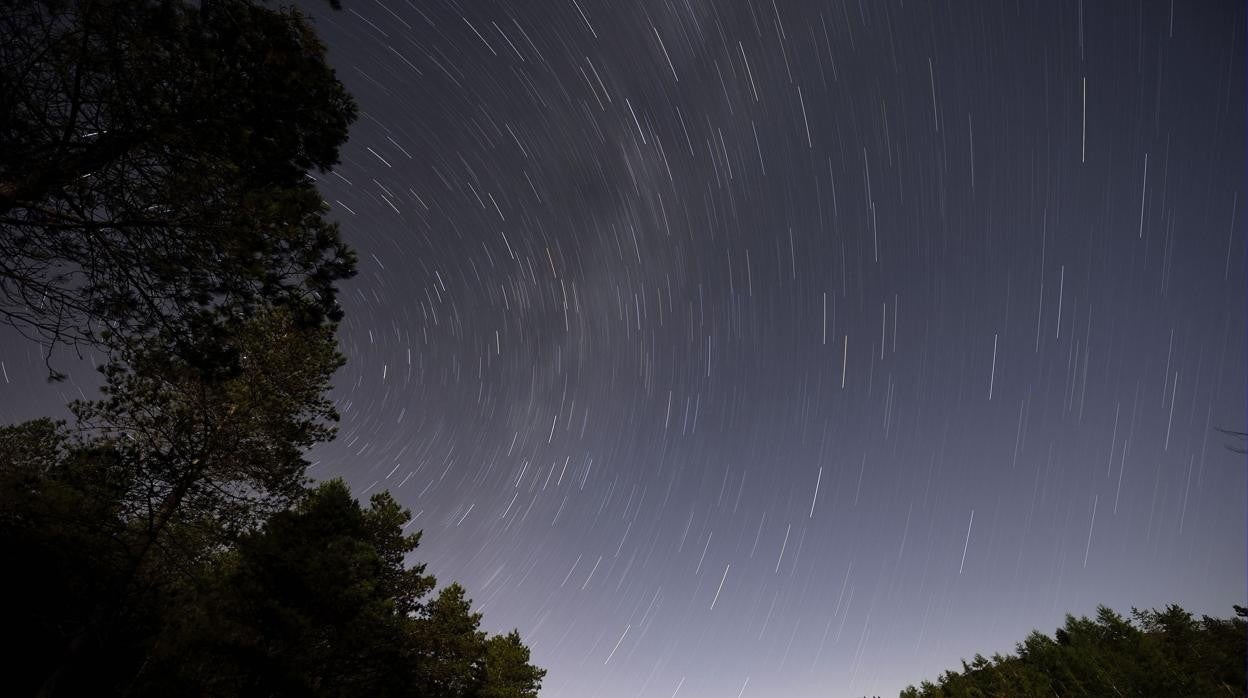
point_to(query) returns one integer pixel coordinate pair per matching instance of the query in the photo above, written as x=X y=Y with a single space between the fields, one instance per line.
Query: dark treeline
x=157 y=211
x=1158 y=653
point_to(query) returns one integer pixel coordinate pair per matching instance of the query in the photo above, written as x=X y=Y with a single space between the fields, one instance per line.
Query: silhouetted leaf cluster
x=154 y=170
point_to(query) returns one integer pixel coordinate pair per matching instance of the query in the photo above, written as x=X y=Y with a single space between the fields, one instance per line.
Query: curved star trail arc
x=779 y=348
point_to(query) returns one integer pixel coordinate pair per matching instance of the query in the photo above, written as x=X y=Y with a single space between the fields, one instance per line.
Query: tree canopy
x=157 y=202
x=317 y=600
x=1163 y=652
x=154 y=169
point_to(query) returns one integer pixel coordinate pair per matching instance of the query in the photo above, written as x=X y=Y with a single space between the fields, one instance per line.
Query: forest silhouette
x=1165 y=652
x=157 y=213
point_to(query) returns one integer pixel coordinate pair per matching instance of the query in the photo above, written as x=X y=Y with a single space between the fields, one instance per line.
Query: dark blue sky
x=792 y=348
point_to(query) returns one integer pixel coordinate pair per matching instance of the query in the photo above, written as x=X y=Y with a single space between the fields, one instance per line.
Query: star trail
x=780 y=348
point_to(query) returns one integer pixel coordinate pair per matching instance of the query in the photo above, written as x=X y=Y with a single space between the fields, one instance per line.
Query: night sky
x=777 y=348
